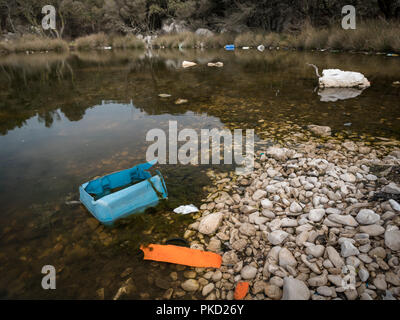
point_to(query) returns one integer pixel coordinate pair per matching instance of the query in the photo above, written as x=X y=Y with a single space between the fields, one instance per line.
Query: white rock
x=363 y=274
x=190 y=285
x=347 y=220
x=392 y=239
x=286 y=258
x=280 y=154
x=348 y=249
x=248 y=272
x=294 y=289
x=316 y=215
x=277 y=237
x=348 y=177
x=323 y=131
x=247 y=229
x=210 y=223
x=334 y=256
x=367 y=216
x=325 y=291
x=391 y=188
x=295 y=207
x=207 y=289
x=315 y=250
x=267 y=204
x=373 y=230
x=394 y=204
x=286 y=222
x=259 y=194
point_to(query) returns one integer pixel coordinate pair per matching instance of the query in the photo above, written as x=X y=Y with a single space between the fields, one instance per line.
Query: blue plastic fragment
x=230 y=47
x=138 y=191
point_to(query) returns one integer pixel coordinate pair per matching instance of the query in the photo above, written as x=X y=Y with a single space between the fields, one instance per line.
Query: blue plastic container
x=230 y=47
x=137 y=191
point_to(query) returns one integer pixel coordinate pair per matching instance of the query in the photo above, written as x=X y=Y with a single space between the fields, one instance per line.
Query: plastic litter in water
x=187 y=64
x=186 y=209
x=261 y=48
x=230 y=47
x=241 y=290
x=216 y=64
x=181 y=255
x=123 y=193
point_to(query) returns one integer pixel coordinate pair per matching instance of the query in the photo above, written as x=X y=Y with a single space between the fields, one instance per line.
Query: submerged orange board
x=241 y=290
x=182 y=255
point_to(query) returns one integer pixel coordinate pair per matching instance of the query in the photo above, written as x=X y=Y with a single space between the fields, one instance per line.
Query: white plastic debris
x=187 y=64
x=261 y=48
x=186 y=209
x=336 y=78
x=107 y=48
x=216 y=64
x=245 y=48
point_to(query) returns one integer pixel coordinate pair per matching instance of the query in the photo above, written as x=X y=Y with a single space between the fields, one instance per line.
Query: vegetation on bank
x=101 y=40
x=371 y=36
x=374 y=35
x=33 y=43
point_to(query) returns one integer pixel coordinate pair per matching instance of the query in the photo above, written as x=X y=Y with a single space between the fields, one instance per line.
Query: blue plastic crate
x=137 y=191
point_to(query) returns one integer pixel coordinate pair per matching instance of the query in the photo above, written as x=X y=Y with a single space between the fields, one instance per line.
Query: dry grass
x=93 y=41
x=34 y=43
x=127 y=42
x=374 y=35
x=179 y=40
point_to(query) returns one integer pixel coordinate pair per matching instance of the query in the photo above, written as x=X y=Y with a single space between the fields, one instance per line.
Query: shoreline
x=307 y=213
x=371 y=36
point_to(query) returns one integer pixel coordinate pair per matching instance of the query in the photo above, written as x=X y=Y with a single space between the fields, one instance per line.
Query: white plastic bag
x=186 y=209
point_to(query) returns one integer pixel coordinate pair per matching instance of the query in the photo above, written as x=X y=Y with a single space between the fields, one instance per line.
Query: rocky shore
x=317 y=219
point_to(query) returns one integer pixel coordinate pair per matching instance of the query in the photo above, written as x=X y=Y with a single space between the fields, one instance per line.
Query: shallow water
x=65 y=119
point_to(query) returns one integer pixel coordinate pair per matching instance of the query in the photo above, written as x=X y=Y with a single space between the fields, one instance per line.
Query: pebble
x=294 y=289
x=248 y=272
x=372 y=230
x=286 y=258
x=316 y=215
x=210 y=223
x=363 y=274
x=367 y=216
x=277 y=237
x=283 y=224
x=348 y=249
x=392 y=239
x=190 y=285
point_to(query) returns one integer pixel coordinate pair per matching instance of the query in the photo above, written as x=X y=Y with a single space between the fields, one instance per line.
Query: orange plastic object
x=182 y=255
x=241 y=290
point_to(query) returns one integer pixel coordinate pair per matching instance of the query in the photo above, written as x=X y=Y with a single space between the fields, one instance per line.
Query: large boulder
x=203 y=32
x=174 y=26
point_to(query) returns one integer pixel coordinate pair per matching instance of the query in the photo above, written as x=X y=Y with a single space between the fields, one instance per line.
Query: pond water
x=65 y=119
